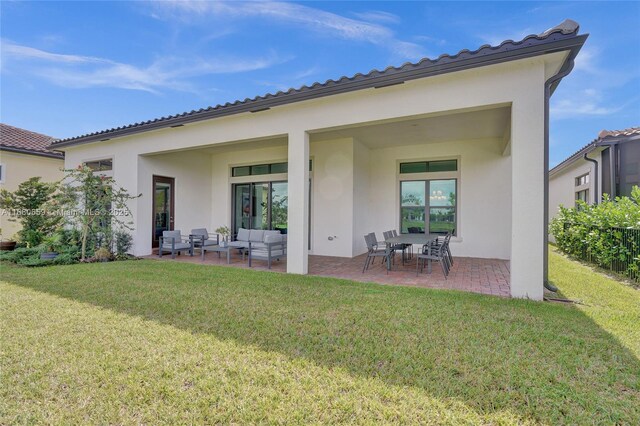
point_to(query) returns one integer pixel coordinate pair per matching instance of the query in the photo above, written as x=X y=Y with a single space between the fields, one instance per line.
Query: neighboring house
x=23 y=155
x=609 y=164
x=457 y=143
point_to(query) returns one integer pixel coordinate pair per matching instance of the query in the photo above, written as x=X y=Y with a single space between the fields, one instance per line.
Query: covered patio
x=484 y=276
x=456 y=145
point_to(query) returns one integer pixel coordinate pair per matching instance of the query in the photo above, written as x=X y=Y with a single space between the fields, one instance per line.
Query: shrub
x=68 y=253
x=597 y=232
x=35 y=261
x=123 y=242
x=103 y=254
x=68 y=258
x=19 y=254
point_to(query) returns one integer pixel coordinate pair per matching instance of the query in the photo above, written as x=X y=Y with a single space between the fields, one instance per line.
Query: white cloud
x=379 y=16
x=585 y=61
x=317 y=20
x=581 y=103
x=16 y=50
x=590 y=89
x=77 y=71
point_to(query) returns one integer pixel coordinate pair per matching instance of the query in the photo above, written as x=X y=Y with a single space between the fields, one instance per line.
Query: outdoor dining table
x=417 y=239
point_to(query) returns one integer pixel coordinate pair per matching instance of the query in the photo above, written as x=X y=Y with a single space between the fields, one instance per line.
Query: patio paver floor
x=485 y=276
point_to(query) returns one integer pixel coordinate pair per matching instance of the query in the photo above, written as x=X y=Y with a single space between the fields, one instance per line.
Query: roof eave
x=395 y=76
x=57 y=155
x=598 y=143
x=575 y=157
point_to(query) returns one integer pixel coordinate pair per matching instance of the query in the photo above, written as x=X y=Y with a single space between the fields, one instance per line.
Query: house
x=23 y=155
x=459 y=142
x=609 y=164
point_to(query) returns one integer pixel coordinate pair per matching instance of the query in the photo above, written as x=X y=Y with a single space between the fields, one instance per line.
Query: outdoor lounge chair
x=199 y=237
x=173 y=242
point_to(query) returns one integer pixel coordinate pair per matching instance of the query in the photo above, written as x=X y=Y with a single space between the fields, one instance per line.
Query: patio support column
x=527 y=202
x=298 y=203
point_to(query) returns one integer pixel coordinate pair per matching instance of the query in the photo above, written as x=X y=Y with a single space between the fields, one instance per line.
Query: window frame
x=582 y=184
x=269 y=169
x=106 y=173
x=427 y=202
x=431 y=176
x=427 y=166
x=586 y=196
x=579 y=180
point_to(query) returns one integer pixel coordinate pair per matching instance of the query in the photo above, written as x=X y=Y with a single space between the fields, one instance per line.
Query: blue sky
x=70 y=68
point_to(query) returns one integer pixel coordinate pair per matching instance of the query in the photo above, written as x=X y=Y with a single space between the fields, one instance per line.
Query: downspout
x=595 y=177
x=566 y=69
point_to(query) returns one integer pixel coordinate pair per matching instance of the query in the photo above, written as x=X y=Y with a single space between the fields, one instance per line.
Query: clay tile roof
x=21 y=140
x=603 y=139
x=561 y=37
x=619 y=133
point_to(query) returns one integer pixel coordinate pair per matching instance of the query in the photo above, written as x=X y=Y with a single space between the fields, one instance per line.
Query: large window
x=428 y=206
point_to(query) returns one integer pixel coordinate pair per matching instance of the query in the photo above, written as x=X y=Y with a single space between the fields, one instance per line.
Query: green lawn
x=162 y=342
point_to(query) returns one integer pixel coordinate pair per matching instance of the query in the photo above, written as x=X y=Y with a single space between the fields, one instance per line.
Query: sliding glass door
x=260 y=205
x=279 y=206
x=241 y=207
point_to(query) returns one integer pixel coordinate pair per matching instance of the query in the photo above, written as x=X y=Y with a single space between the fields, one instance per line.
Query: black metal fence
x=616 y=249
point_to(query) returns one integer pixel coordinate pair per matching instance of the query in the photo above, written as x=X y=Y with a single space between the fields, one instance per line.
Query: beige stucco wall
x=362 y=195
x=19 y=167
x=332 y=197
x=562 y=186
x=484 y=192
x=193 y=190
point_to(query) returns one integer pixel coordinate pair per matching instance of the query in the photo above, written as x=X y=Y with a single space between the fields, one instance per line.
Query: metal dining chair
x=374 y=251
x=436 y=253
x=408 y=247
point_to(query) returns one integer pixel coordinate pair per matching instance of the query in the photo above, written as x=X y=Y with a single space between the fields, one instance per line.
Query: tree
x=96 y=205
x=30 y=205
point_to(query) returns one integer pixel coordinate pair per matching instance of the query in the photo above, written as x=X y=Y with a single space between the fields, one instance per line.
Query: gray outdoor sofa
x=261 y=244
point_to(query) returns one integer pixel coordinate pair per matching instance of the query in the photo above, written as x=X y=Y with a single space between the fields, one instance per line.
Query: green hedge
x=607 y=234
x=31 y=256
